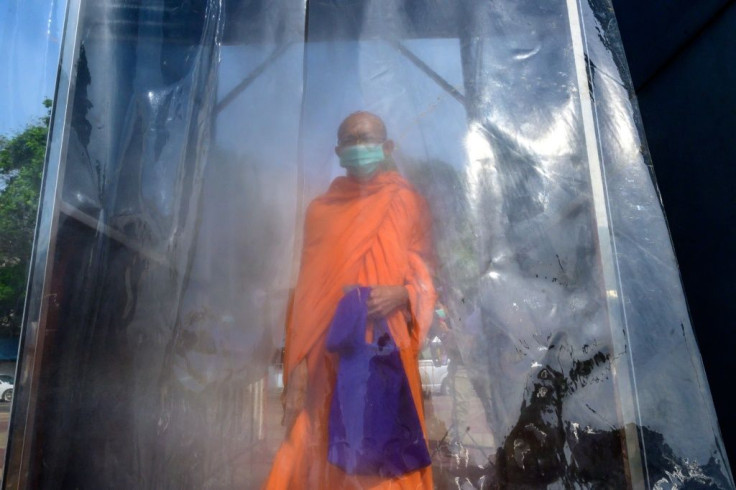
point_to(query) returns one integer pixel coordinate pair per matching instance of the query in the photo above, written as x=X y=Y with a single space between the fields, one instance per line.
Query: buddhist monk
x=369 y=229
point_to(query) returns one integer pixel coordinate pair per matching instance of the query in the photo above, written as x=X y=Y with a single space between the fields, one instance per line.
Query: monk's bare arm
x=295 y=393
x=419 y=283
x=384 y=300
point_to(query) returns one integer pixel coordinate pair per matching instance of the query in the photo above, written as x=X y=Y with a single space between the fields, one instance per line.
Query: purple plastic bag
x=374 y=427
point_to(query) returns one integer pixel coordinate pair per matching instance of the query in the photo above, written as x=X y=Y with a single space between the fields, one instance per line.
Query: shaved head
x=364 y=129
x=363 y=122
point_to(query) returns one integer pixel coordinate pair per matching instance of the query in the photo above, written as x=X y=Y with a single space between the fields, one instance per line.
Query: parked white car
x=433 y=364
x=6 y=387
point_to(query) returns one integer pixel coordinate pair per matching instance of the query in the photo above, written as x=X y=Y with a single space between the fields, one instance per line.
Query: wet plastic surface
x=187 y=143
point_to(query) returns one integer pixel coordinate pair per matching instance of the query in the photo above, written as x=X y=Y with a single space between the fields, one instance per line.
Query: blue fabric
x=9 y=349
x=374 y=427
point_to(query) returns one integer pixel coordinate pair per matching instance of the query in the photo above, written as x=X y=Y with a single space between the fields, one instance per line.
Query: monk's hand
x=384 y=300
x=295 y=394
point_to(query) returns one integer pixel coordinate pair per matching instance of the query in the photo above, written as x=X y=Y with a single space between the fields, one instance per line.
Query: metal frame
x=20 y=438
x=622 y=366
x=20 y=446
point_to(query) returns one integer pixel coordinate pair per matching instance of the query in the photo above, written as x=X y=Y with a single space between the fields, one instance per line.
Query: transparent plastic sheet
x=187 y=145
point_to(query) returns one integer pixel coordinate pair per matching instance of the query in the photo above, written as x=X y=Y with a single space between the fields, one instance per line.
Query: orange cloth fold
x=358 y=233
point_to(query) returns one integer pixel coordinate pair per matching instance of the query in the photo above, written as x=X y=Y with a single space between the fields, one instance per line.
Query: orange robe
x=358 y=233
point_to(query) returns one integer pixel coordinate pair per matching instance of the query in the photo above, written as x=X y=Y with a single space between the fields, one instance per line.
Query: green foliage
x=21 y=167
x=454 y=238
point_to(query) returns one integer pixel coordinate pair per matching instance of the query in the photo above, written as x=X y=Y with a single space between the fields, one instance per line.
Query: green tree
x=21 y=167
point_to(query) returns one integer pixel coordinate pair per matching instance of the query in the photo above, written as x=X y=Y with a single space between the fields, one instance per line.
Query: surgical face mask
x=361 y=160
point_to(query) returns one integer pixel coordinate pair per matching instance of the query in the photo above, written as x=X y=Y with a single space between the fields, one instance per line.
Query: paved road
x=4 y=418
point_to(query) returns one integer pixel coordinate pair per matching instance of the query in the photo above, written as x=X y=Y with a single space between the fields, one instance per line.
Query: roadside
x=4 y=424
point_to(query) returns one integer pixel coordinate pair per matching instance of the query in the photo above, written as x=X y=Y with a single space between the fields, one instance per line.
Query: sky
x=30 y=31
